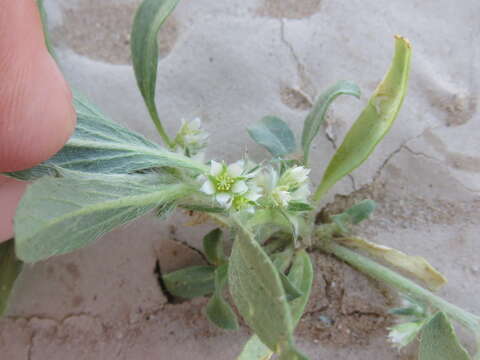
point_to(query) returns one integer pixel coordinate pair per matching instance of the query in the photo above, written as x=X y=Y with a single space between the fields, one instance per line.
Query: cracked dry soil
x=340 y=313
x=80 y=308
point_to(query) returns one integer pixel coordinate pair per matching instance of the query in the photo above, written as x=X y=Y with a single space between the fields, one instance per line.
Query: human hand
x=36 y=112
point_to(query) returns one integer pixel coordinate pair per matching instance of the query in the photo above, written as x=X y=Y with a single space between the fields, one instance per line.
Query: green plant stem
x=158 y=124
x=402 y=284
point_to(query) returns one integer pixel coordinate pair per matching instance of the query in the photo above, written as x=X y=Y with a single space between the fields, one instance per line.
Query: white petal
x=254 y=193
x=195 y=124
x=224 y=199
x=300 y=173
x=201 y=178
x=253 y=196
x=273 y=178
x=208 y=188
x=215 y=168
x=301 y=193
x=240 y=187
x=235 y=170
x=285 y=197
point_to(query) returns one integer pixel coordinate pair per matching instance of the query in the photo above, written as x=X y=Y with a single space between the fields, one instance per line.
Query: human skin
x=36 y=112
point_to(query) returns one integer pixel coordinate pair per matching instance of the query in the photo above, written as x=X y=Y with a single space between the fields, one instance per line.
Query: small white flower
x=247 y=201
x=403 y=334
x=292 y=185
x=294 y=177
x=191 y=138
x=231 y=184
x=281 y=196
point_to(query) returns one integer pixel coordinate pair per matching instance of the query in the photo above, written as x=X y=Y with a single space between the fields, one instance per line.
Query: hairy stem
x=403 y=285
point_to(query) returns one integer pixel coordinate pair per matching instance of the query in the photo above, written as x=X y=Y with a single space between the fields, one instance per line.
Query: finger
x=36 y=111
x=11 y=192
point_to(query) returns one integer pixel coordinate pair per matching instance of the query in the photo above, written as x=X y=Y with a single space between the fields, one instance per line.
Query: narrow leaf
x=218 y=310
x=147 y=23
x=191 y=282
x=273 y=134
x=213 y=247
x=10 y=268
x=291 y=290
x=374 y=122
x=416 y=266
x=316 y=117
x=59 y=215
x=100 y=146
x=258 y=292
x=439 y=342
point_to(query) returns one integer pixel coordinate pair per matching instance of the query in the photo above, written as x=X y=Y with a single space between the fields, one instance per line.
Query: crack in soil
x=163 y=288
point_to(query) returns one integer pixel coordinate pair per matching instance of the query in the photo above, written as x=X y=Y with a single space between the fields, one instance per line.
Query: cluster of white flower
x=292 y=185
x=231 y=185
x=240 y=185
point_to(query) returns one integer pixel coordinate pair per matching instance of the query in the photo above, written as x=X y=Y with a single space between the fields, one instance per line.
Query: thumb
x=36 y=111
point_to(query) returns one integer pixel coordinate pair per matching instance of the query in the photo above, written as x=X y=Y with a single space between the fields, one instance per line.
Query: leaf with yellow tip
x=416 y=266
x=373 y=123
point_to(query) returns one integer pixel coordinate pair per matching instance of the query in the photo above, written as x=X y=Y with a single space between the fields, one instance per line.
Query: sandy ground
x=232 y=63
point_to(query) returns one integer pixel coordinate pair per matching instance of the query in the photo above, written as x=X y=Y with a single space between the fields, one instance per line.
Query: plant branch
x=403 y=285
x=158 y=124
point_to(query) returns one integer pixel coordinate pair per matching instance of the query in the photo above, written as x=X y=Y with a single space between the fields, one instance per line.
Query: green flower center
x=224 y=182
x=239 y=202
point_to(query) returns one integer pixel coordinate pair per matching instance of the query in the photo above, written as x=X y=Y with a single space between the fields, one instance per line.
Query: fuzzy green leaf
x=373 y=123
x=439 y=341
x=218 y=310
x=355 y=215
x=258 y=293
x=213 y=247
x=316 y=117
x=220 y=313
x=59 y=215
x=147 y=23
x=10 y=268
x=191 y=282
x=291 y=290
x=301 y=275
x=100 y=146
x=273 y=134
